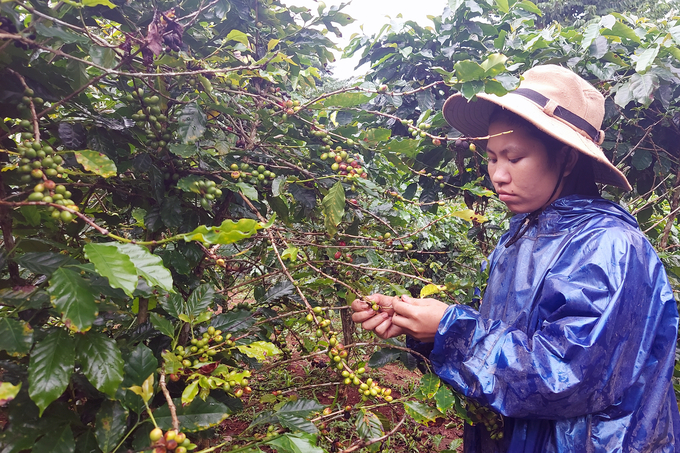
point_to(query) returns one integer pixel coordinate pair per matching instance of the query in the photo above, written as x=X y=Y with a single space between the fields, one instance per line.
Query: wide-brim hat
x=555 y=100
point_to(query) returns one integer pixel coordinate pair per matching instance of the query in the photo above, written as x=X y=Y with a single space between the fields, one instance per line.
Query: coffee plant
x=189 y=203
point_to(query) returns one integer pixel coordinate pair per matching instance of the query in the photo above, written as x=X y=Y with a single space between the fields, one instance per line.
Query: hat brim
x=471 y=118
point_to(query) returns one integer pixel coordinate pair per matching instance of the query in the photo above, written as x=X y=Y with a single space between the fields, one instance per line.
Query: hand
x=378 y=321
x=418 y=318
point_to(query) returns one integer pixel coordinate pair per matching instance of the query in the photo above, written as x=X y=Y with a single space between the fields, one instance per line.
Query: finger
x=381 y=299
x=360 y=305
x=405 y=308
x=388 y=330
x=374 y=321
x=362 y=316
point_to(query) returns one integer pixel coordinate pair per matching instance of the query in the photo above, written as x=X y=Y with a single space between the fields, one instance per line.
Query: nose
x=499 y=174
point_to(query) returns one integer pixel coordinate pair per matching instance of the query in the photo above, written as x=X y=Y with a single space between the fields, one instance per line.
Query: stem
x=168 y=398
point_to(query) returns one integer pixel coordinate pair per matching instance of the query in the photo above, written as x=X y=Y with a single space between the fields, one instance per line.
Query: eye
x=515 y=160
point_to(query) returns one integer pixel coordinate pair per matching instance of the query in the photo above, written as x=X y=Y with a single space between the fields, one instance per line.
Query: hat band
x=561 y=113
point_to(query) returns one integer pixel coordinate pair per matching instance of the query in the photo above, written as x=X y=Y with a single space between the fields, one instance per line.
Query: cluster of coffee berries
x=49 y=192
x=493 y=421
x=202 y=350
x=322 y=134
x=345 y=164
x=339 y=255
x=150 y=117
x=24 y=105
x=461 y=143
x=417 y=131
x=208 y=191
x=289 y=107
x=171 y=440
x=259 y=176
x=38 y=160
x=368 y=388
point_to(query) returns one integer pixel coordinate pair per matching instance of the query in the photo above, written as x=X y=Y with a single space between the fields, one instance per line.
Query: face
x=519 y=168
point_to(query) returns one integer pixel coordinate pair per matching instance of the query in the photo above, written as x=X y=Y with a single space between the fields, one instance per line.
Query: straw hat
x=555 y=100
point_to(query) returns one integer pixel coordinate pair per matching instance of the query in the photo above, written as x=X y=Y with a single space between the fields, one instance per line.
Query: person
x=574 y=341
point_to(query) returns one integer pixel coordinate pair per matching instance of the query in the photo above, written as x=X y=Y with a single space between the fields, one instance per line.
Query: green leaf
x=110 y=425
x=346 y=100
x=642 y=87
x=503 y=6
x=185 y=151
x=407 y=147
x=642 y=159
x=444 y=398
x=97 y=163
x=467 y=70
x=16 y=337
x=226 y=233
x=191 y=121
x=372 y=137
x=495 y=87
x=161 y=324
x=139 y=365
x=98 y=2
x=529 y=6
x=646 y=58
x=421 y=413
x=295 y=443
x=383 y=356
x=238 y=36
x=146 y=389
x=197 y=416
x=591 y=32
x=101 y=361
x=50 y=368
x=148 y=266
x=170 y=362
x=429 y=384
x=233 y=321
x=87 y=443
x=52 y=30
x=260 y=350
x=428 y=290
x=494 y=64
x=297 y=424
x=248 y=190
x=369 y=426
x=59 y=441
x=621 y=30
x=8 y=392
x=44 y=262
x=72 y=296
x=103 y=56
x=455 y=5
x=174 y=304
x=114 y=265
x=199 y=300
x=333 y=207
x=190 y=392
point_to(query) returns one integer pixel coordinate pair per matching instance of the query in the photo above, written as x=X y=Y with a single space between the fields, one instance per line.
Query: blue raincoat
x=574 y=343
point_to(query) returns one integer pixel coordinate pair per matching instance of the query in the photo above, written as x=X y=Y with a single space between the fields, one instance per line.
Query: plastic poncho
x=574 y=343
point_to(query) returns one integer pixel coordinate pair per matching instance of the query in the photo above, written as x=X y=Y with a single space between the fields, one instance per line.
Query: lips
x=505 y=196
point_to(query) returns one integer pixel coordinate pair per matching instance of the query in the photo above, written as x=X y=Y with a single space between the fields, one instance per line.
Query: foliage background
x=193 y=142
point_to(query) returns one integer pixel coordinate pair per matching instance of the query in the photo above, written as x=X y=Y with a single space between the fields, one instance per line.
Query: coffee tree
x=187 y=207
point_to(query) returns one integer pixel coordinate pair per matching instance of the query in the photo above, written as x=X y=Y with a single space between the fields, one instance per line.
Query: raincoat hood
x=574 y=342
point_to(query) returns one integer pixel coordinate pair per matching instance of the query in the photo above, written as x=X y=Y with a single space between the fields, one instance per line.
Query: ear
x=571 y=157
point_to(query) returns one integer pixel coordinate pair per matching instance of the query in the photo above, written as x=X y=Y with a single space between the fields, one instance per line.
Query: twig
x=168 y=398
x=363 y=444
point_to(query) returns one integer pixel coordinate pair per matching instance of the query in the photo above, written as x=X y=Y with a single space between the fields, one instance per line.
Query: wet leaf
x=97 y=163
